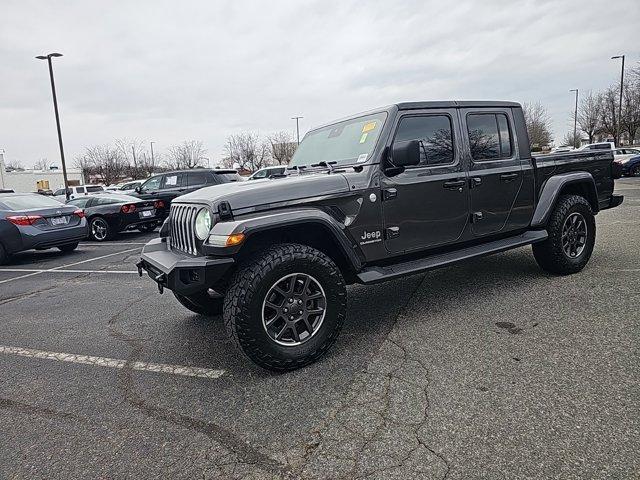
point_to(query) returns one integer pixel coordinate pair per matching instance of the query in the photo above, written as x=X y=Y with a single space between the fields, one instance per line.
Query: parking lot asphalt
x=490 y=369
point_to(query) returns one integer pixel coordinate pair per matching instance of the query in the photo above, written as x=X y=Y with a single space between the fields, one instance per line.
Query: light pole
x=621 y=88
x=153 y=162
x=297 y=119
x=48 y=58
x=575 y=119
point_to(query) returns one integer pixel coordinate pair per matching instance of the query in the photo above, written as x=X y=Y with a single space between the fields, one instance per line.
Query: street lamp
x=153 y=162
x=621 y=87
x=297 y=119
x=48 y=58
x=575 y=119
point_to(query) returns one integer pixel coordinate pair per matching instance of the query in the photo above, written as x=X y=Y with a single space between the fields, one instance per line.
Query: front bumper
x=179 y=272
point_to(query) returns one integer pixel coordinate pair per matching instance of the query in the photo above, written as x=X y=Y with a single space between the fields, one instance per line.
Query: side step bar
x=379 y=274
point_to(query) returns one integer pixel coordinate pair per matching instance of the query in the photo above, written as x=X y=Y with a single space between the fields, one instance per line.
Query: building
x=27 y=180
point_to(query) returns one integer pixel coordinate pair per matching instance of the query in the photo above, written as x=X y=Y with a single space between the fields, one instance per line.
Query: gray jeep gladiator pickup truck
x=383 y=194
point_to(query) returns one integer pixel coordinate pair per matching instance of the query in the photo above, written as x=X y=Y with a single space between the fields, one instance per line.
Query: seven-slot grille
x=182 y=224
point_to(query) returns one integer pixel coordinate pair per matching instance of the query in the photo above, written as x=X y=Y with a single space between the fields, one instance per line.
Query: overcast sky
x=177 y=70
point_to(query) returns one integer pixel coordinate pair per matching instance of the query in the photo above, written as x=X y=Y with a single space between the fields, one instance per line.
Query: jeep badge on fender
x=456 y=180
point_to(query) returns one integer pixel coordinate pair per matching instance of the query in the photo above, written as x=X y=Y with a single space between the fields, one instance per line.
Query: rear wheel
x=572 y=236
x=150 y=227
x=99 y=229
x=70 y=247
x=285 y=307
x=201 y=303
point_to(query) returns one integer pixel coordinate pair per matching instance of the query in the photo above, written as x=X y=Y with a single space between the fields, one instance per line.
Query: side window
x=435 y=135
x=152 y=184
x=489 y=136
x=197 y=178
x=107 y=201
x=260 y=174
x=80 y=190
x=79 y=202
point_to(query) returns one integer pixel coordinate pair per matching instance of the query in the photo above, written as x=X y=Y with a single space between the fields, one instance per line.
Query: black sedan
x=111 y=213
x=31 y=221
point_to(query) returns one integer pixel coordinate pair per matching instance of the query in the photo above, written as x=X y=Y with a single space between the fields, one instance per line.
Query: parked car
x=32 y=221
x=392 y=192
x=630 y=164
x=599 y=146
x=268 y=172
x=78 y=191
x=110 y=213
x=128 y=188
x=170 y=185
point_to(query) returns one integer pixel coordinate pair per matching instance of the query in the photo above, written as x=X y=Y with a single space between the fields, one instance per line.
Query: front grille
x=182 y=220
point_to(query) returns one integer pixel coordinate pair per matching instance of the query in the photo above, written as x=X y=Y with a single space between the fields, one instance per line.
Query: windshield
x=351 y=141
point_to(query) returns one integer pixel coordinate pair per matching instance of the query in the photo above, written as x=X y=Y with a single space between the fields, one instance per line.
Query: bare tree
x=538 y=125
x=132 y=149
x=589 y=115
x=188 y=154
x=282 y=147
x=42 y=164
x=13 y=165
x=570 y=141
x=104 y=161
x=631 y=110
x=247 y=151
x=609 y=113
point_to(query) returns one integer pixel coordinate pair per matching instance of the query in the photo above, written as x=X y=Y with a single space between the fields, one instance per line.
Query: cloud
x=169 y=71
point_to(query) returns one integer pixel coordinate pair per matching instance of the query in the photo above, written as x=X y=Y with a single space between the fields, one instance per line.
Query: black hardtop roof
x=455 y=104
x=212 y=170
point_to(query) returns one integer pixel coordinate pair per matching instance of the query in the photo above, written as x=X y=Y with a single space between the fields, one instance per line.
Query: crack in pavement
x=29 y=409
x=244 y=452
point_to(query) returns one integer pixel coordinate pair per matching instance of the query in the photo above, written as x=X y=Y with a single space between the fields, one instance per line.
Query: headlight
x=203 y=224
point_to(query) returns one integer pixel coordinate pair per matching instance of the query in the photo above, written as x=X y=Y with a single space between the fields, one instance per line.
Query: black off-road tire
x=243 y=307
x=550 y=254
x=201 y=303
x=70 y=247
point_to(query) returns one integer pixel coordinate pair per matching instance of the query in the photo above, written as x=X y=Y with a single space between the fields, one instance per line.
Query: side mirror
x=138 y=189
x=405 y=154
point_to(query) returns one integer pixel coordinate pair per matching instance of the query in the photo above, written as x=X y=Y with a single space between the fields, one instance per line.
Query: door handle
x=507 y=177
x=475 y=182
x=454 y=185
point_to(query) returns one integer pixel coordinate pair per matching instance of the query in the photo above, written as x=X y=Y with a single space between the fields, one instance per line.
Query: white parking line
x=63 y=271
x=114 y=362
x=55 y=269
x=107 y=244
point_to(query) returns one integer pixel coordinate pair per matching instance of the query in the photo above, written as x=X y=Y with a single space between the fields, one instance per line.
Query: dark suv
x=380 y=195
x=167 y=186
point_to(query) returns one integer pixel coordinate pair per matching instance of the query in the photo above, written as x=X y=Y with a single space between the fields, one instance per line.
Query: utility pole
x=619 y=126
x=575 y=120
x=133 y=150
x=55 y=108
x=297 y=119
x=153 y=162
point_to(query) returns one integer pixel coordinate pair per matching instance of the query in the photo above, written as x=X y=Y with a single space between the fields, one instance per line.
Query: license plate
x=146 y=213
x=59 y=220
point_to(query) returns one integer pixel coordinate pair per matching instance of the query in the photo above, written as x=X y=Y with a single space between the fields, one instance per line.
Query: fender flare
x=551 y=191
x=252 y=225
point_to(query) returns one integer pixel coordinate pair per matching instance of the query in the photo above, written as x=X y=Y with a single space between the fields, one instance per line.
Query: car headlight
x=203 y=224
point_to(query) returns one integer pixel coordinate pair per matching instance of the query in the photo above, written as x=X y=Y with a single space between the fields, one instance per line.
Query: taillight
x=128 y=208
x=79 y=213
x=158 y=204
x=24 y=219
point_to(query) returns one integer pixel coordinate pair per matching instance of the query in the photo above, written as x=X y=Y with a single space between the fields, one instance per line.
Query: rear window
x=95 y=188
x=29 y=202
x=229 y=177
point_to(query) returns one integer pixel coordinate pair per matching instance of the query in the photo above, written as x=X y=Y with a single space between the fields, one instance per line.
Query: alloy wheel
x=99 y=229
x=574 y=235
x=294 y=309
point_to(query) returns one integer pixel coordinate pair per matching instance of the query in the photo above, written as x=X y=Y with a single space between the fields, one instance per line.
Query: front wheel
x=572 y=236
x=201 y=303
x=285 y=307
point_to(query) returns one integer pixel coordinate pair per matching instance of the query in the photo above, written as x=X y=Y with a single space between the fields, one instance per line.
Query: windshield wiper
x=324 y=164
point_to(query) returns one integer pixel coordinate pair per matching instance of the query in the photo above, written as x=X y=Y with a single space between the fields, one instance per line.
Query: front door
x=428 y=204
x=495 y=171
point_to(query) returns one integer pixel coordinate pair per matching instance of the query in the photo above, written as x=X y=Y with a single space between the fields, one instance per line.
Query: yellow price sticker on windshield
x=368 y=127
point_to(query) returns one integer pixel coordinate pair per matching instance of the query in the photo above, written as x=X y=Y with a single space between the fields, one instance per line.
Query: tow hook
x=160 y=279
x=139 y=265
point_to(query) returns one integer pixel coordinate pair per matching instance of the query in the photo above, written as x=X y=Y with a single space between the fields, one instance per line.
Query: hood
x=254 y=193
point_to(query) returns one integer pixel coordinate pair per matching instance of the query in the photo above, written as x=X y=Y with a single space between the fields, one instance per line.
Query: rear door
x=495 y=170
x=196 y=180
x=426 y=205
